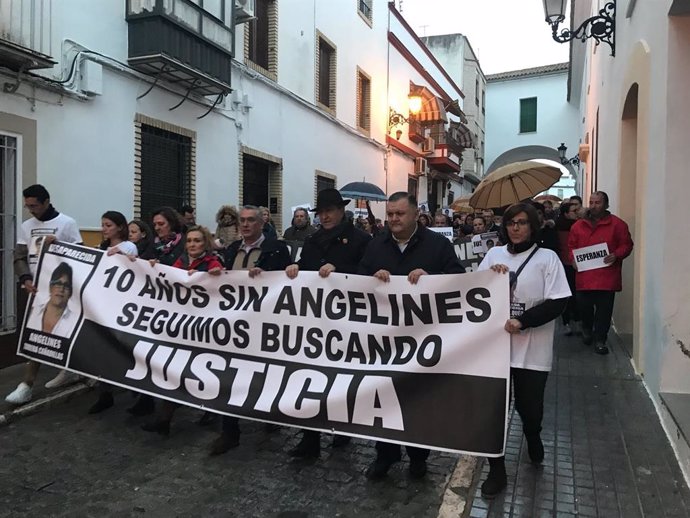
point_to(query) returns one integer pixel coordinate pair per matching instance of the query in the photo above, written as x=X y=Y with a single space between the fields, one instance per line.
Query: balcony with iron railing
x=26 y=34
x=183 y=43
x=449 y=139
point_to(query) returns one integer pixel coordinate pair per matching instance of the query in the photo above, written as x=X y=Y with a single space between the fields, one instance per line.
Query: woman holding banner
x=539 y=293
x=115 y=231
x=198 y=257
x=169 y=243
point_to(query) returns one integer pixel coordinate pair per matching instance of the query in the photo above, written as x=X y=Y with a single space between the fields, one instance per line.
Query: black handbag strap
x=517 y=273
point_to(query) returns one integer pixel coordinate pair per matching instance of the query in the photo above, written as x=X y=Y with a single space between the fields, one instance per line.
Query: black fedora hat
x=329 y=198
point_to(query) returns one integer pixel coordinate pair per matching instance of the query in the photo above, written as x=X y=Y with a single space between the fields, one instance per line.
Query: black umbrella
x=363 y=191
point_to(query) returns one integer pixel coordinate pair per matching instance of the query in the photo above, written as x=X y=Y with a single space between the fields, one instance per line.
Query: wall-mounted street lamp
x=561 y=153
x=414 y=104
x=600 y=27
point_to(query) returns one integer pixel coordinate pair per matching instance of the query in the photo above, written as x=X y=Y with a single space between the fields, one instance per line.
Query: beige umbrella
x=548 y=197
x=462 y=204
x=513 y=183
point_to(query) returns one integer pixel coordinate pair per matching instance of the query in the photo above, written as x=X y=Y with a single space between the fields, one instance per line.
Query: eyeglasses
x=61 y=284
x=518 y=222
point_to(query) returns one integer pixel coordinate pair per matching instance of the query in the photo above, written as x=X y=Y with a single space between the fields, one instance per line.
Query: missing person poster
x=424 y=365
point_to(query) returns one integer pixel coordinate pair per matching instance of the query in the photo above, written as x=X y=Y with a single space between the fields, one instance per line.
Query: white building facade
x=128 y=105
x=456 y=55
x=636 y=111
x=528 y=116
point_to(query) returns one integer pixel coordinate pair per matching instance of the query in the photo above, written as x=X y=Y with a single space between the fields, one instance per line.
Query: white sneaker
x=22 y=394
x=63 y=378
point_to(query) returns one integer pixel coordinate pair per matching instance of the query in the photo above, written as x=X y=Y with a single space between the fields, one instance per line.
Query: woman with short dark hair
x=538 y=294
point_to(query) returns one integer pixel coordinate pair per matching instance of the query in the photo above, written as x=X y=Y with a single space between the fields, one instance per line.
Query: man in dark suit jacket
x=405 y=249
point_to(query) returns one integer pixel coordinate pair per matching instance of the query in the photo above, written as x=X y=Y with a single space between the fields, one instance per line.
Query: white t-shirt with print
x=33 y=232
x=126 y=248
x=542 y=278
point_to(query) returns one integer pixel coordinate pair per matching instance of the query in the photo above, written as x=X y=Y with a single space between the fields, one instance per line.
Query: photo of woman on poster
x=55 y=316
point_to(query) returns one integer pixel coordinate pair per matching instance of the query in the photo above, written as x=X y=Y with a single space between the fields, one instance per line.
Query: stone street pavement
x=62 y=462
x=607 y=455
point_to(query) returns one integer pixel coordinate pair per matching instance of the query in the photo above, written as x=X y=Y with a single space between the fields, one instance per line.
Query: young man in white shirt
x=45 y=222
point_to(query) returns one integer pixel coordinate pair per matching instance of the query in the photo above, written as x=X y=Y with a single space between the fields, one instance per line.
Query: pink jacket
x=614 y=232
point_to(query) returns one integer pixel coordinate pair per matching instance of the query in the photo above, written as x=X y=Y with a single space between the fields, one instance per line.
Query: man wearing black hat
x=336 y=247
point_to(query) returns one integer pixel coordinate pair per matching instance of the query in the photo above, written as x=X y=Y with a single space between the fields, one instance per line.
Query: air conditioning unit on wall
x=428 y=145
x=244 y=10
x=420 y=166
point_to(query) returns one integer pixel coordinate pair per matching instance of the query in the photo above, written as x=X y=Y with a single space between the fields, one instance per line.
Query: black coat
x=275 y=255
x=343 y=248
x=427 y=250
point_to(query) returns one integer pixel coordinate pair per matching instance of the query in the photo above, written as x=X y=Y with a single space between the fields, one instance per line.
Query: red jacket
x=614 y=232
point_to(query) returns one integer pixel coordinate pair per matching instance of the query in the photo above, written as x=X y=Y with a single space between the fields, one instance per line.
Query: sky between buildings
x=505 y=34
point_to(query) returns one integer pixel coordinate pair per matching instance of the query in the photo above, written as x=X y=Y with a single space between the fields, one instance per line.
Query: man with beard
x=597 y=288
x=336 y=247
x=409 y=249
x=301 y=226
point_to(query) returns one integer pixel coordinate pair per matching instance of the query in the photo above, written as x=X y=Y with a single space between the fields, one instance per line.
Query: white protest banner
x=424 y=365
x=446 y=231
x=591 y=257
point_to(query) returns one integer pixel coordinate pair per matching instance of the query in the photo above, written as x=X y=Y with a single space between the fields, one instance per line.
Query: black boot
x=161 y=427
x=105 y=401
x=207 y=419
x=145 y=405
x=341 y=440
x=587 y=337
x=379 y=468
x=497 y=479
x=224 y=442
x=535 y=448
x=308 y=447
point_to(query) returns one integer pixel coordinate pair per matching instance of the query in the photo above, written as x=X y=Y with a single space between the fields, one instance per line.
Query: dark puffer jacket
x=342 y=246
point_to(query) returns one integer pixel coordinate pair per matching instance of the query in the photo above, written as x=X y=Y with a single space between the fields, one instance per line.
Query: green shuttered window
x=528 y=115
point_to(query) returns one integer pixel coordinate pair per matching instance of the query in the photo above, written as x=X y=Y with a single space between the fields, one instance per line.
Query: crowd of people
x=536 y=249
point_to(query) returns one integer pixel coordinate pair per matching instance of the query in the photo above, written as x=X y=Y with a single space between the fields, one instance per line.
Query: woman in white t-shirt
x=116 y=234
x=538 y=295
x=115 y=231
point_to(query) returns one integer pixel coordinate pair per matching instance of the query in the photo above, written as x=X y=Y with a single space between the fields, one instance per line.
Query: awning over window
x=454 y=108
x=462 y=134
x=433 y=107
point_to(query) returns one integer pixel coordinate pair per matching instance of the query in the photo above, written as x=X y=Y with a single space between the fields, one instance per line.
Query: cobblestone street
x=62 y=462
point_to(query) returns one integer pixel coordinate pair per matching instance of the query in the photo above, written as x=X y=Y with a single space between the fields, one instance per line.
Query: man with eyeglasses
x=255 y=252
x=597 y=288
x=46 y=224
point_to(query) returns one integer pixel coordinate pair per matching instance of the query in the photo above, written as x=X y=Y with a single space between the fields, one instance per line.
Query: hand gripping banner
x=426 y=365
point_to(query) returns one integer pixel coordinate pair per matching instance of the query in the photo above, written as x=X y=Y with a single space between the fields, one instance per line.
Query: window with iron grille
x=325 y=73
x=324 y=182
x=528 y=115
x=166 y=169
x=8 y=207
x=363 y=100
